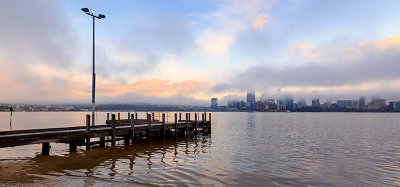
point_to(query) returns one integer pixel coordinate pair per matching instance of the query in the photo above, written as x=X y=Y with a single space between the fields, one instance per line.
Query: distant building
x=377 y=102
x=392 y=106
x=214 y=103
x=289 y=103
x=233 y=104
x=397 y=106
x=301 y=104
x=362 y=102
x=315 y=103
x=341 y=103
x=251 y=97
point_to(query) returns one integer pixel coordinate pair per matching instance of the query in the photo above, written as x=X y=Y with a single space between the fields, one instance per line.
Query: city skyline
x=182 y=52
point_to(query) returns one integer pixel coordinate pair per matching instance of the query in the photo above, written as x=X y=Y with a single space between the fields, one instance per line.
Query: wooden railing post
x=176 y=123
x=113 y=130
x=163 y=124
x=187 y=124
x=132 y=127
x=195 y=123
x=149 y=124
x=88 y=132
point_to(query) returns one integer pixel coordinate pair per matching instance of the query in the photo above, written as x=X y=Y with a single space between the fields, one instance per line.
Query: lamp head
x=86 y=10
x=101 y=16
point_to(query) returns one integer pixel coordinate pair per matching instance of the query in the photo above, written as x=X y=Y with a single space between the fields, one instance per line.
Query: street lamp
x=100 y=16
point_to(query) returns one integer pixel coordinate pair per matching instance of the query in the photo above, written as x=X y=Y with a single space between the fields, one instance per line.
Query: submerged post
x=87 y=132
x=113 y=130
x=132 y=128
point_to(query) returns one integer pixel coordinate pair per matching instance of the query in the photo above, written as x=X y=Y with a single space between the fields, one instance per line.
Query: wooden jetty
x=129 y=130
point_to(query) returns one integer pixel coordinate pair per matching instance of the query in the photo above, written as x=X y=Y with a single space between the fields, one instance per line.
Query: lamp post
x=100 y=16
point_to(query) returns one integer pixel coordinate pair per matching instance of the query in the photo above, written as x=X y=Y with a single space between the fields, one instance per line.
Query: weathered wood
x=135 y=115
x=187 y=124
x=102 y=141
x=108 y=116
x=205 y=116
x=163 y=124
x=46 y=148
x=113 y=123
x=149 y=125
x=180 y=116
x=176 y=123
x=72 y=146
x=189 y=116
x=88 y=132
x=132 y=128
x=195 y=122
x=209 y=118
x=119 y=116
x=129 y=115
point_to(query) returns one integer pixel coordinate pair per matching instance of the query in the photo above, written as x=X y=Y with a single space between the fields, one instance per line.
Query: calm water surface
x=275 y=149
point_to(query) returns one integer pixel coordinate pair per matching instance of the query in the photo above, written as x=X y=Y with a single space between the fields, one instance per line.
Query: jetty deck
x=129 y=130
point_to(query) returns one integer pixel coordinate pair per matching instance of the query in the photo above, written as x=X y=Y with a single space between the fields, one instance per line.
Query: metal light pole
x=100 y=16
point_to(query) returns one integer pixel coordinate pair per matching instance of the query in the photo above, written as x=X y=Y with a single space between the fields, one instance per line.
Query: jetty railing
x=130 y=130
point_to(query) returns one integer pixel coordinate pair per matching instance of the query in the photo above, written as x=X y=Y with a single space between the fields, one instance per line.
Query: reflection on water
x=289 y=149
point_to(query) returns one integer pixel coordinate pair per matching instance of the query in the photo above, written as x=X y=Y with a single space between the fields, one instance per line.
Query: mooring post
x=202 y=121
x=152 y=116
x=176 y=123
x=180 y=116
x=129 y=115
x=209 y=118
x=119 y=116
x=102 y=141
x=113 y=130
x=46 y=148
x=205 y=116
x=88 y=132
x=108 y=116
x=149 y=124
x=189 y=116
x=163 y=124
x=195 y=123
x=187 y=124
x=132 y=128
x=135 y=115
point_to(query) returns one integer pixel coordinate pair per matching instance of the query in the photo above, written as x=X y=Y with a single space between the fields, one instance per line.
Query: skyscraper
x=251 y=97
x=214 y=103
x=289 y=103
x=362 y=102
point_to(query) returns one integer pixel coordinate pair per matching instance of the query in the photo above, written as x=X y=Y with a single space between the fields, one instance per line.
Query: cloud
x=260 y=21
x=366 y=66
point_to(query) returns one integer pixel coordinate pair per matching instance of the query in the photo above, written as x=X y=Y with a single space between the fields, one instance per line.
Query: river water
x=243 y=149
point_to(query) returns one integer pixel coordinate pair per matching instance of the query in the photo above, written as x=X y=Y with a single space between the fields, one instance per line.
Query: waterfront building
x=233 y=104
x=301 y=103
x=397 y=106
x=214 y=103
x=315 y=103
x=251 y=97
x=392 y=106
x=341 y=103
x=362 y=102
x=289 y=103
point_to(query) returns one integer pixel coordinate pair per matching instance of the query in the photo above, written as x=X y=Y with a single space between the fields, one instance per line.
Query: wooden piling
x=72 y=146
x=176 y=123
x=119 y=116
x=88 y=132
x=135 y=115
x=129 y=115
x=187 y=124
x=46 y=148
x=180 y=116
x=195 y=123
x=132 y=128
x=205 y=116
x=108 y=116
x=163 y=124
x=189 y=116
x=113 y=123
x=102 y=141
x=149 y=125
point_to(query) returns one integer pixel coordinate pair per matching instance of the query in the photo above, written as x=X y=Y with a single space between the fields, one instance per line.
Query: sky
x=185 y=52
